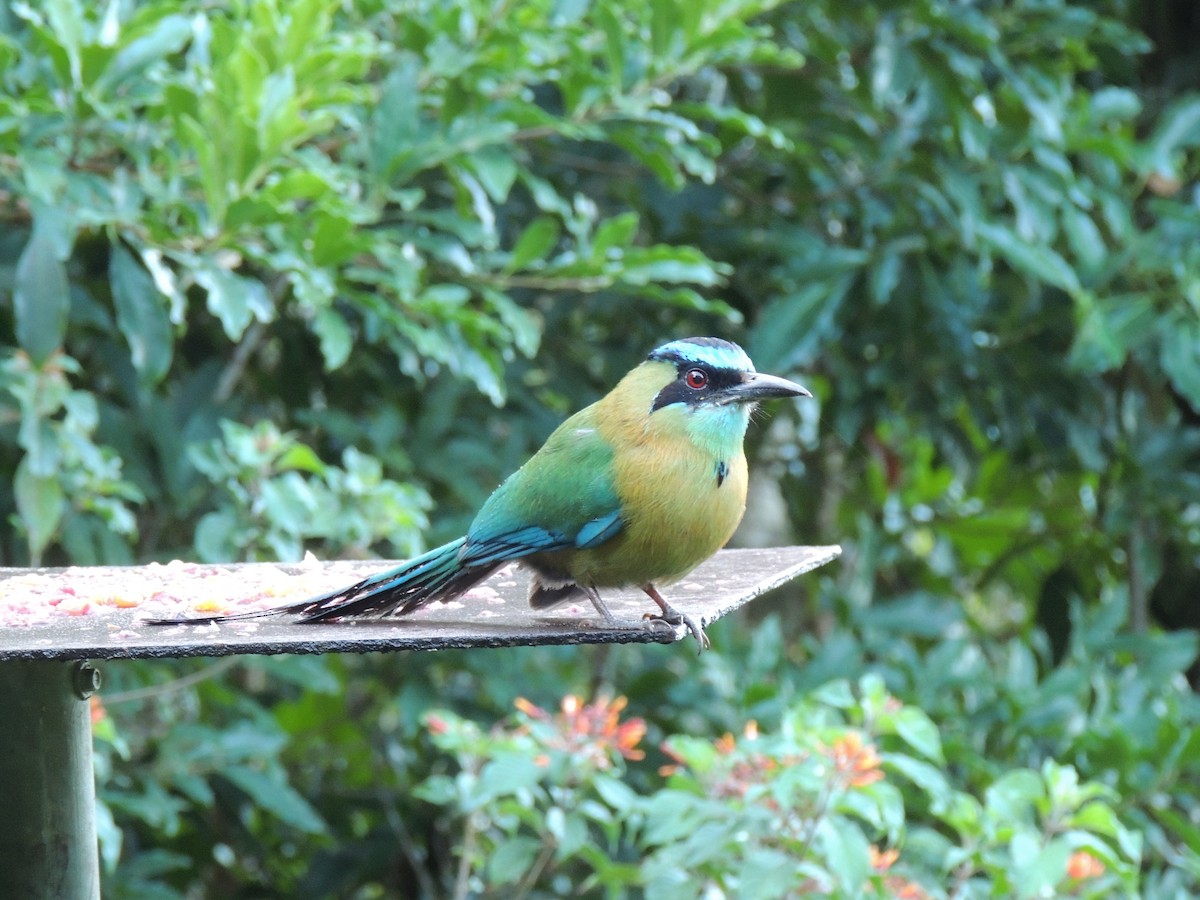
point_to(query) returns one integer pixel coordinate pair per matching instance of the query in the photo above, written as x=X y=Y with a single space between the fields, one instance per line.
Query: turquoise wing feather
x=563 y=498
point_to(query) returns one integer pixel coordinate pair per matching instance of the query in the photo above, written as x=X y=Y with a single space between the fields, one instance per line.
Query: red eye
x=696 y=379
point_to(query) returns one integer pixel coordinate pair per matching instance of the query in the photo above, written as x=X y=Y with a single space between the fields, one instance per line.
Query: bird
x=635 y=490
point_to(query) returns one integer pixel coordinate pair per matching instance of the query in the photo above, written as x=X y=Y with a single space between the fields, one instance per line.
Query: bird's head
x=709 y=372
x=703 y=387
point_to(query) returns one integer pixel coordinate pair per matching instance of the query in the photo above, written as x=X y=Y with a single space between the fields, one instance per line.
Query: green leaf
x=41 y=296
x=39 y=438
x=276 y=797
x=618 y=231
x=883 y=277
x=1037 y=260
x=142 y=315
x=524 y=327
x=535 y=242
x=440 y=790
x=109 y=835
x=234 y=299
x=1114 y=104
x=290 y=500
x=918 y=731
x=1180 y=358
x=615 y=793
x=1178 y=127
x=928 y=778
x=1110 y=328
x=791 y=329
x=574 y=836
x=846 y=852
x=671 y=814
x=1010 y=798
x=614 y=46
x=40 y=505
x=167 y=37
x=767 y=874
x=1098 y=818
x=67 y=21
x=506 y=774
x=496 y=169
x=1087 y=243
x=837 y=694
x=511 y=860
x=215 y=537
x=675 y=265
x=1039 y=868
x=335 y=337
x=397 y=115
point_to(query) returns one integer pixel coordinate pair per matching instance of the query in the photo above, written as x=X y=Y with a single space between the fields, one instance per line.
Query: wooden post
x=47 y=788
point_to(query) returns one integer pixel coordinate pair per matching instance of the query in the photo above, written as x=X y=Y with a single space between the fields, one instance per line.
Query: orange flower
x=903 y=889
x=592 y=729
x=1083 y=865
x=881 y=860
x=611 y=715
x=856 y=762
x=725 y=744
x=530 y=709
x=897 y=887
x=629 y=735
x=677 y=761
x=96 y=709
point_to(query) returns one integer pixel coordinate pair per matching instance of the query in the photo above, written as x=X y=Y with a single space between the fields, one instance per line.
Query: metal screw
x=86 y=679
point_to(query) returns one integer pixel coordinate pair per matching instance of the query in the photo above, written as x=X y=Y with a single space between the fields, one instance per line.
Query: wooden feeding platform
x=53 y=622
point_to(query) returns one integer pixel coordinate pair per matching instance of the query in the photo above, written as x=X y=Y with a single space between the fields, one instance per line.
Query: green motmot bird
x=635 y=490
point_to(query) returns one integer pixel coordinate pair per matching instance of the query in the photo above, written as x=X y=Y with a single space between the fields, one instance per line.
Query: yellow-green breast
x=681 y=479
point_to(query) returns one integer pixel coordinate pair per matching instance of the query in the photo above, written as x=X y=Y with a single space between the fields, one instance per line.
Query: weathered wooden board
x=101 y=613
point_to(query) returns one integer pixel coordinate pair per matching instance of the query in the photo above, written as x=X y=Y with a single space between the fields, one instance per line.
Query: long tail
x=438 y=575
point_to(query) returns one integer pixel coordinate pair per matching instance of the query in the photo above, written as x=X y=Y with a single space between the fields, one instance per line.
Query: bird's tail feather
x=438 y=575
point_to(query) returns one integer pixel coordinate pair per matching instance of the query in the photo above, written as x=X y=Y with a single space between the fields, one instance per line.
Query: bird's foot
x=673 y=618
x=653 y=622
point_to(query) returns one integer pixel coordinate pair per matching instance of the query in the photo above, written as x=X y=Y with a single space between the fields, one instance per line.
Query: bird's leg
x=611 y=620
x=672 y=616
x=601 y=606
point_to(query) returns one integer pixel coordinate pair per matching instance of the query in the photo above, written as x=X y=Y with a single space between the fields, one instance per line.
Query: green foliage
x=1000 y=244
x=65 y=484
x=843 y=791
x=317 y=194
x=750 y=818
x=268 y=269
x=280 y=495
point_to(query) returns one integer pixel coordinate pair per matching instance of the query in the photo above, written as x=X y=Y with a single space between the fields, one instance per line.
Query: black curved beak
x=758 y=386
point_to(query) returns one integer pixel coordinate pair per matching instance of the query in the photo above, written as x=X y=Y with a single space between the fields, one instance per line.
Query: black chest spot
x=722 y=471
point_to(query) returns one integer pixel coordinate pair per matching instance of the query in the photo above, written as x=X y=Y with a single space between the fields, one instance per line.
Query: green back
x=562 y=497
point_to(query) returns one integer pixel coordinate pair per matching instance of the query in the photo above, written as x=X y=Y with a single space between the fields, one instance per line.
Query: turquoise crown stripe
x=706 y=351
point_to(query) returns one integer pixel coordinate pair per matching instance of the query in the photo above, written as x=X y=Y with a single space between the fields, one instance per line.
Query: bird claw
x=673 y=618
x=658 y=623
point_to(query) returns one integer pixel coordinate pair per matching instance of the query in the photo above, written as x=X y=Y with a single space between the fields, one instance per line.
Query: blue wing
x=562 y=499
